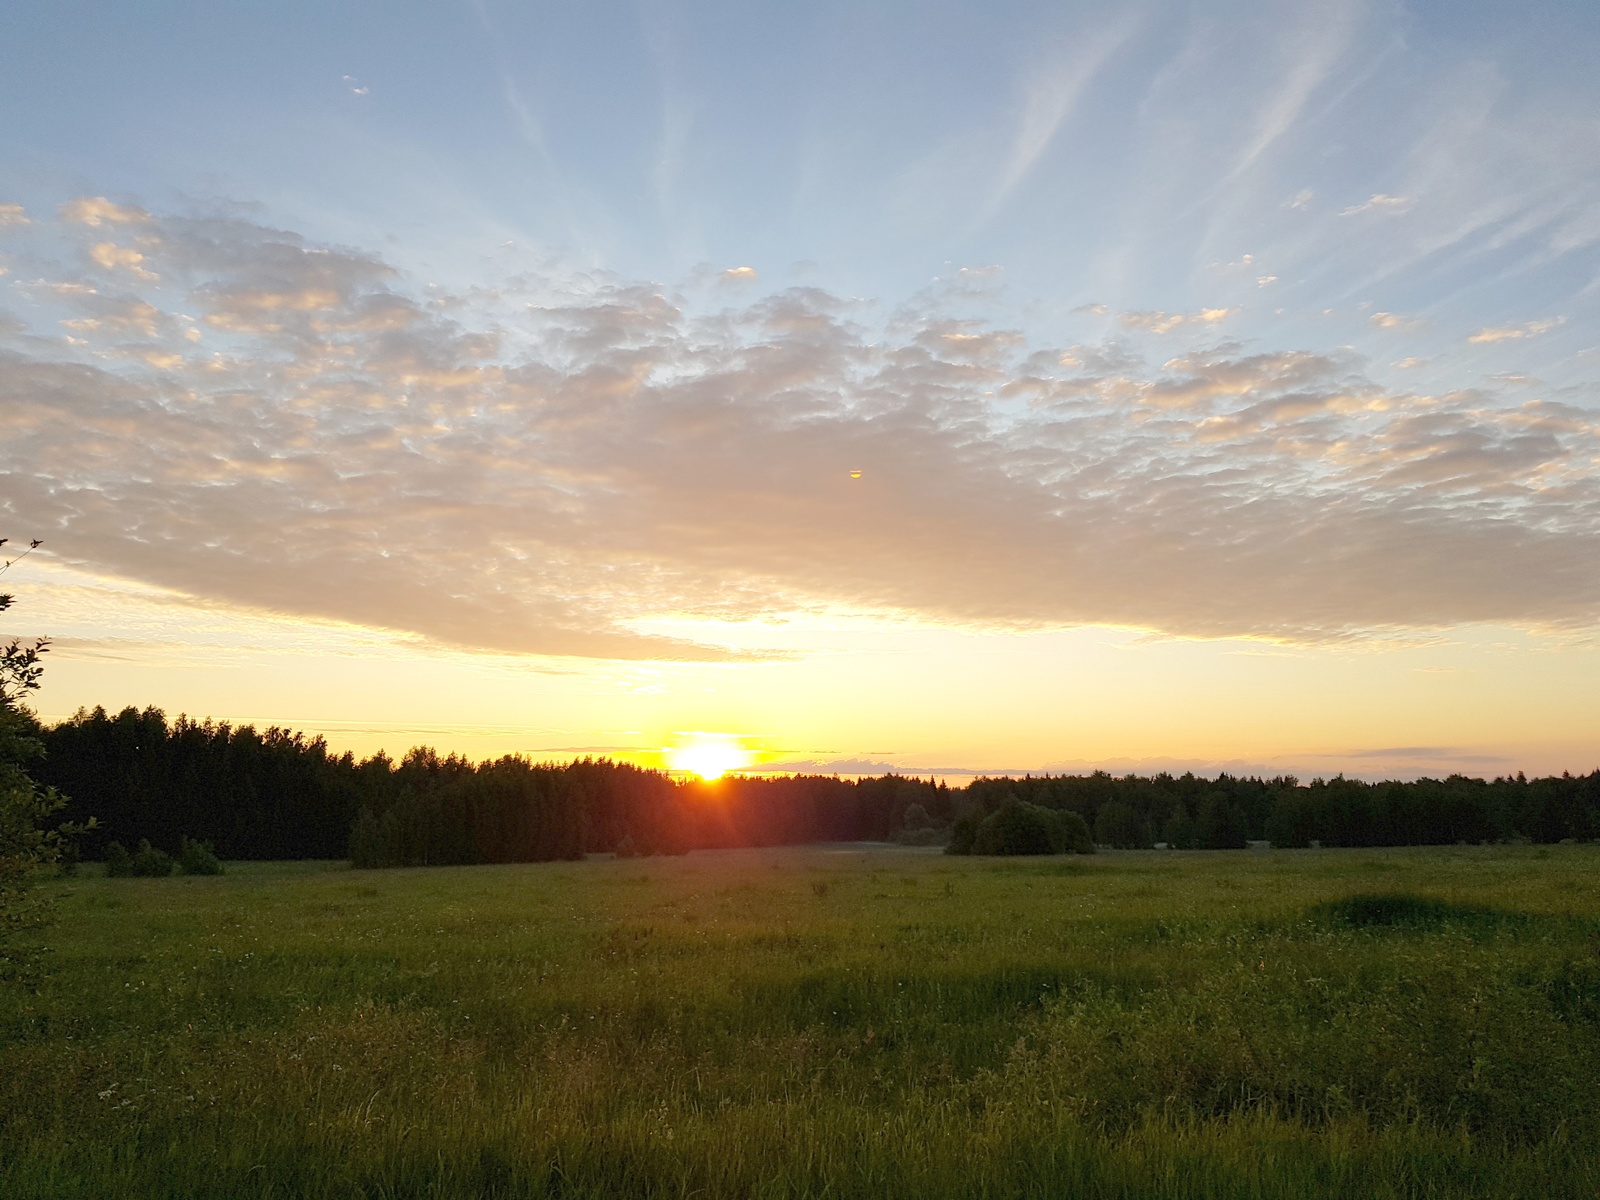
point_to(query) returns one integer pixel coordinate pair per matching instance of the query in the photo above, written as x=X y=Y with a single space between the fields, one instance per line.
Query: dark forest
x=276 y=794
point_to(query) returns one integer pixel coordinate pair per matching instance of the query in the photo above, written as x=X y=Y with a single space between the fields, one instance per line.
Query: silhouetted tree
x=27 y=841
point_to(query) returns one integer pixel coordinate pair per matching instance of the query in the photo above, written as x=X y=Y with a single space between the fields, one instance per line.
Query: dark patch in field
x=920 y=1002
x=1048 y=867
x=1405 y=910
x=1574 y=990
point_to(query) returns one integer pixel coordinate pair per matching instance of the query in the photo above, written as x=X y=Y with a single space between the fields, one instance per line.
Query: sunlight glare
x=708 y=755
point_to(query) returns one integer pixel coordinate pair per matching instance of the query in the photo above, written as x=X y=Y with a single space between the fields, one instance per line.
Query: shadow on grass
x=971 y=1015
x=1406 y=911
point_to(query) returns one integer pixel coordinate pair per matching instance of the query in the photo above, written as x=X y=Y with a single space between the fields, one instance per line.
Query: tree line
x=1191 y=812
x=275 y=793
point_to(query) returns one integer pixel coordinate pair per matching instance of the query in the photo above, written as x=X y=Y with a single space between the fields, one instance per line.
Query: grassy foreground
x=819 y=1021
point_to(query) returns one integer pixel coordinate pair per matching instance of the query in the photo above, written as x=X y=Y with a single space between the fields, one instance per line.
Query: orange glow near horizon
x=830 y=690
x=708 y=755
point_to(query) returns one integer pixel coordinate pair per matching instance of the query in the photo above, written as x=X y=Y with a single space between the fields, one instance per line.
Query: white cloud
x=1515 y=332
x=1155 y=321
x=1380 y=203
x=1165 y=322
x=354 y=452
x=113 y=257
x=96 y=211
x=1397 y=321
x=13 y=215
x=740 y=275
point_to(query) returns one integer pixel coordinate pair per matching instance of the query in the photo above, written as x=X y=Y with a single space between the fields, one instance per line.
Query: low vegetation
x=817 y=1021
x=1017 y=828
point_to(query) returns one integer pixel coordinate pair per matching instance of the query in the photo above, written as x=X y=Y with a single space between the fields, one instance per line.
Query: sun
x=708 y=755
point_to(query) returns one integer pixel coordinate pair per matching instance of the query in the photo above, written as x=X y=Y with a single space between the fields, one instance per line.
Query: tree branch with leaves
x=27 y=843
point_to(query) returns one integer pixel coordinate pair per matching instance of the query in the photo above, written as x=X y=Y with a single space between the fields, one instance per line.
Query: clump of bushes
x=1018 y=827
x=151 y=862
x=194 y=858
x=118 y=862
x=920 y=829
x=198 y=858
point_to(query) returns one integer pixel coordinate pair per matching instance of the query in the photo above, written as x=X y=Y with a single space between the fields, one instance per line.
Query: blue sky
x=1099 y=154
x=651 y=332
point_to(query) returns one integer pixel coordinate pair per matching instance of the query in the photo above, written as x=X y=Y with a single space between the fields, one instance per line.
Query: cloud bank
x=217 y=406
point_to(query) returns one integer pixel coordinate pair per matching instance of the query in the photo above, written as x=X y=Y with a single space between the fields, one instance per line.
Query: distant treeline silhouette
x=278 y=794
x=275 y=794
x=1190 y=812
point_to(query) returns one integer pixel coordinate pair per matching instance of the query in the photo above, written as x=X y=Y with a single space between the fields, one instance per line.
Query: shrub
x=118 y=861
x=198 y=858
x=1018 y=827
x=962 y=835
x=147 y=860
x=1075 y=837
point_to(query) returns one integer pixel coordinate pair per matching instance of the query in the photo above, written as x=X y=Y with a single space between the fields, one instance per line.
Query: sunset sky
x=951 y=386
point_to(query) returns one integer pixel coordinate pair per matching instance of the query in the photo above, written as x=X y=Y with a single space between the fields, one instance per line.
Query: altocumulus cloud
x=225 y=408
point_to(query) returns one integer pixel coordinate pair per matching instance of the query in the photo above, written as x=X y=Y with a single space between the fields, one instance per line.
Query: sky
x=946 y=387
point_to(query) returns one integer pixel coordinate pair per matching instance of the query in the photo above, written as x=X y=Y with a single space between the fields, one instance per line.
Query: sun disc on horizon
x=708 y=755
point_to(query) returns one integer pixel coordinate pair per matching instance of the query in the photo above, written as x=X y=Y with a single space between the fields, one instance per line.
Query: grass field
x=820 y=1022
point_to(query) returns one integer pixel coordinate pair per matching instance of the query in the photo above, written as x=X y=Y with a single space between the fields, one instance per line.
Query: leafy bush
x=1022 y=828
x=1075 y=837
x=119 y=863
x=962 y=834
x=1017 y=828
x=198 y=858
x=26 y=845
x=27 y=842
x=149 y=861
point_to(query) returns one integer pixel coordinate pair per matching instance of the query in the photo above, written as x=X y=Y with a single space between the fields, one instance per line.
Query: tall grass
x=803 y=1022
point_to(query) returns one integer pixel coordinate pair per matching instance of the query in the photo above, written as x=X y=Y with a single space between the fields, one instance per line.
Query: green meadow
x=819 y=1021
